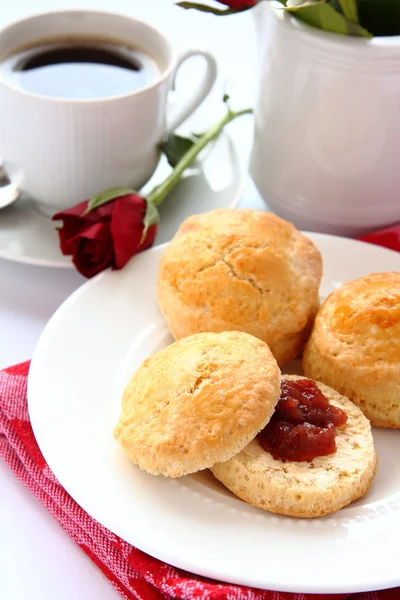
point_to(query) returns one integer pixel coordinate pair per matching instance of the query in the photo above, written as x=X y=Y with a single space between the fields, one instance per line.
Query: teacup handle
x=201 y=91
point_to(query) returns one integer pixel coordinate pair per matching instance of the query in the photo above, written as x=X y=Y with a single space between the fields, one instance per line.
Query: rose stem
x=157 y=195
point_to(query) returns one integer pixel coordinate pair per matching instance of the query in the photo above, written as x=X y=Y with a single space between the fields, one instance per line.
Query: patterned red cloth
x=134 y=574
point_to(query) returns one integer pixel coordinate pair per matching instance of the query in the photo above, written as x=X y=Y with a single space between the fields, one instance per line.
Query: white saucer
x=217 y=181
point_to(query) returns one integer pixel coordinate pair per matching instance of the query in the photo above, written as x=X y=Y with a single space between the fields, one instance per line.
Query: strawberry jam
x=303 y=424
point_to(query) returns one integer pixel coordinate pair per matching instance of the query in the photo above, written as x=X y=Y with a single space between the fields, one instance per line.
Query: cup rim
x=164 y=75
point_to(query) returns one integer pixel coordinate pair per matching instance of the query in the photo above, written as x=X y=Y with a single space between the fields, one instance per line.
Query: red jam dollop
x=303 y=424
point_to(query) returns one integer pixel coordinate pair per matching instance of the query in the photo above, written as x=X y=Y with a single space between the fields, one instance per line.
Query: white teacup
x=62 y=151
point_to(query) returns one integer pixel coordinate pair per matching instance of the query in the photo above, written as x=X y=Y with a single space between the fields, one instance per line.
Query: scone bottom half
x=198 y=402
x=307 y=489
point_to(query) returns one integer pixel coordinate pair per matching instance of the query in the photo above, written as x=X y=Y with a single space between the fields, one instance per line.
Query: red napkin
x=134 y=574
x=388 y=237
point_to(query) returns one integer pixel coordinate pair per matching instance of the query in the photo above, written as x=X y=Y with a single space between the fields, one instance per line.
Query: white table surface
x=37 y=559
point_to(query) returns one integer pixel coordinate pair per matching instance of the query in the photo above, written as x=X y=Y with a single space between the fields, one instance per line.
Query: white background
x=37 y=559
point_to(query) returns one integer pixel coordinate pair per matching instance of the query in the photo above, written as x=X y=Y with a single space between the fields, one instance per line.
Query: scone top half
x=243 y=270
x=355 y=345
x=198 y=402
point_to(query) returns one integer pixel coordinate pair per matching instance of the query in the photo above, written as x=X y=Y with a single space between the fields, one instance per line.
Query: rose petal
x=67 y=235
x=74 y=211
x=90 y=258
x=102 y=213
x=96 y=231
x=127 y=228
x=93 y=250
x=71 y=226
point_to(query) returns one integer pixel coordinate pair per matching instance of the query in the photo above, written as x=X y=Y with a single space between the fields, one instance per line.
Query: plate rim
x=180 y=561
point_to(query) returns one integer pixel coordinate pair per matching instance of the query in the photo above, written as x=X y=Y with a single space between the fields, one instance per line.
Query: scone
x=197 y=402
x=306 y=489
x=355 y=346
x=242 y=270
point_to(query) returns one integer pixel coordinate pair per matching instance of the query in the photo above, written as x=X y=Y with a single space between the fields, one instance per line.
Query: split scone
x=244 y=270
x=305 y=488
x=197 y=402
x=355 y=346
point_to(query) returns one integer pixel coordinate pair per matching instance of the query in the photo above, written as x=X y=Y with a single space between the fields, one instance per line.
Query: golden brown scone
x=198 y=402
x=244 y=270
x=307 y=489
x=355 y=346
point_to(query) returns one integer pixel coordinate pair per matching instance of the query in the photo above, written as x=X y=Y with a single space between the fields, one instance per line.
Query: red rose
x=107 y=236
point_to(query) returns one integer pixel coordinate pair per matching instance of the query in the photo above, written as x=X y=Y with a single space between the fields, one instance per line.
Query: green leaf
x=106 y=196
x=225 y=98
x=349 y=10
x=211 y=9
x=323 y=16
x=152 y=217
x=175 y=147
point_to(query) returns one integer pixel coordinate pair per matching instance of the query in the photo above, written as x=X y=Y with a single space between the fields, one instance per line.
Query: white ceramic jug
x=326 y=154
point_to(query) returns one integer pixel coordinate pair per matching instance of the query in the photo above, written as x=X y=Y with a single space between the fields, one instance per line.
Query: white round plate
x=87 y=353
x=217 y=181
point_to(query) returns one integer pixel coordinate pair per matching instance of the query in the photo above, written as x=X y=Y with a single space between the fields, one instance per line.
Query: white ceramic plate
x=217 y=181
x=86 y=354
